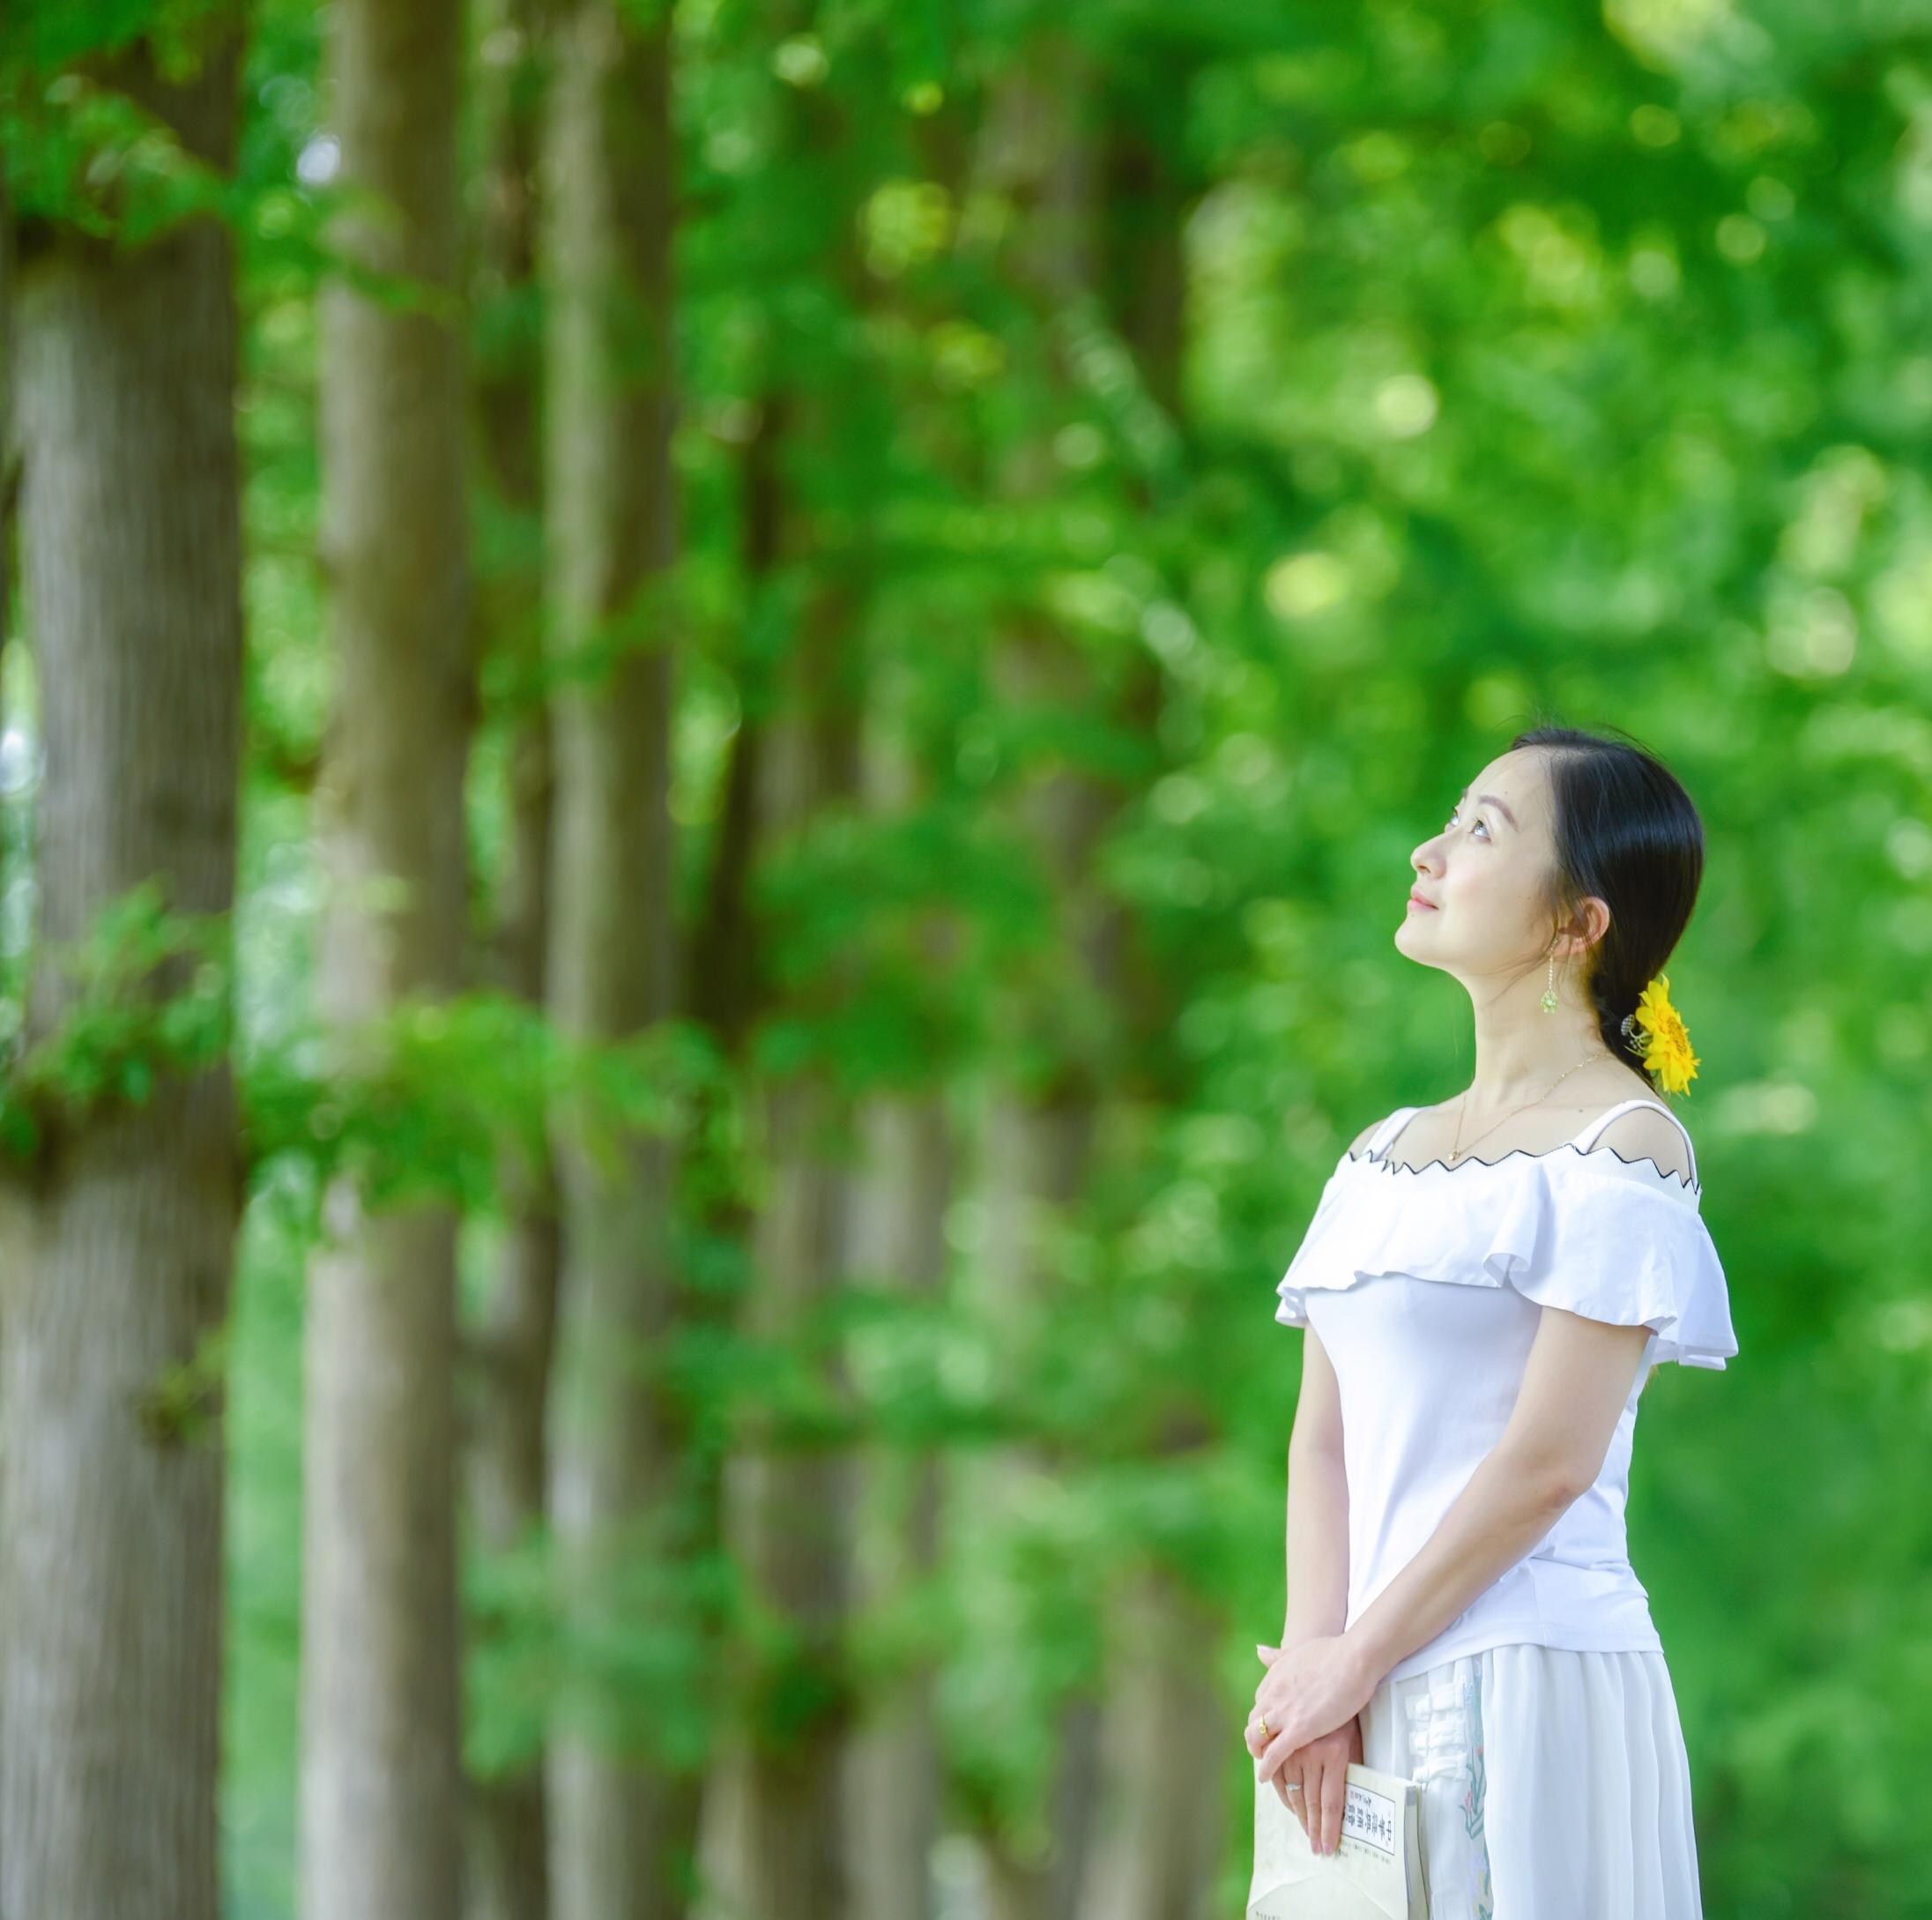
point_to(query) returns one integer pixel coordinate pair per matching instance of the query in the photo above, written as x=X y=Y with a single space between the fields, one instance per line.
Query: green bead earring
x=1549 y=1002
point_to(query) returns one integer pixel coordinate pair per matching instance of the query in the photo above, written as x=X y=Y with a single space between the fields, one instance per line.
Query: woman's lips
x=1417 y=906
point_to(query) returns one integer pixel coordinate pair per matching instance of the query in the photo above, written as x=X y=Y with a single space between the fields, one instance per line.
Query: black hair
x=1626 y=831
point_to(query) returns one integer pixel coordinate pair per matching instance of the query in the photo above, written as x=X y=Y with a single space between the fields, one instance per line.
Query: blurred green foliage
x=1534 y=358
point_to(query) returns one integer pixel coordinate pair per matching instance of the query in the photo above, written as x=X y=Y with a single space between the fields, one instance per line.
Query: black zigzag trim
x=1385 y=1165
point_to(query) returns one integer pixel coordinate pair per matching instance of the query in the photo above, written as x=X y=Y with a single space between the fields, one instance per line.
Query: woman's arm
x=1317 y=1493
x=1578 y=1375
x=1318 y=1504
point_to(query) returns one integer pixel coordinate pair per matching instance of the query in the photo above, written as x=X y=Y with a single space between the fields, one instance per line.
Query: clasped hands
x=1310 y=1697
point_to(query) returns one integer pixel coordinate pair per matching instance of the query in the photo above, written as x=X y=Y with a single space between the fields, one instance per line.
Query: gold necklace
x=1457 y=1151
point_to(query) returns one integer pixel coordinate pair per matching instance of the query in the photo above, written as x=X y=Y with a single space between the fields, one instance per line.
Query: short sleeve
x=1625 y=1248
x=1592 y=1233
x=1291 y=1309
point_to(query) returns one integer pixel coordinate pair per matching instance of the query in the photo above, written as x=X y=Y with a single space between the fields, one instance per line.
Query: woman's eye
x=1484 y=824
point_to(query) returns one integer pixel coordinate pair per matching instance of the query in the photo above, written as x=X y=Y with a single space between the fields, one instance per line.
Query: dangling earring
x=1549 y=1001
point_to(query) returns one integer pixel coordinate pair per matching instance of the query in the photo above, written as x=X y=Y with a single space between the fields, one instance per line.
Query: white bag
x=1376 y=1873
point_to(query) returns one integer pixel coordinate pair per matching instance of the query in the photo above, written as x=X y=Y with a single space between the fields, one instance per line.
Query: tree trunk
x=1165 y=1725
x=382 y=1785
x=899 y=1240
x=617 y=1821
x=1165 y=1733
x=1040 y=152
x=9 y=463
x=111 y=1451
x=1038 y=1156
x=507 y=1458
x=780 y=1844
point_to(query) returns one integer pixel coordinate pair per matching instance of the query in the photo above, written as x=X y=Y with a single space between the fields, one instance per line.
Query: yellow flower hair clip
x=1664 y=1041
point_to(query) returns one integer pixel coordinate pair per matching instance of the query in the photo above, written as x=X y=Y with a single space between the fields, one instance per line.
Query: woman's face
x=1485 y=875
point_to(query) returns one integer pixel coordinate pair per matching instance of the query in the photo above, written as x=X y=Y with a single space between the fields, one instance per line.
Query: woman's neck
x=1524 y=1056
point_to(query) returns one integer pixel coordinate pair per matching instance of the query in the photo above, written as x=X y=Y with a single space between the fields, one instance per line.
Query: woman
x=1487 y=1285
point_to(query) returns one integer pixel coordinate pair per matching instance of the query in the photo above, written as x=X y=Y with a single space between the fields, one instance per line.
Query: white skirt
x=1554 y=1781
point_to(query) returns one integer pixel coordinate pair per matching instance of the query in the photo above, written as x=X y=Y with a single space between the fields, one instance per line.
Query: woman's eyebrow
x=1489 y=800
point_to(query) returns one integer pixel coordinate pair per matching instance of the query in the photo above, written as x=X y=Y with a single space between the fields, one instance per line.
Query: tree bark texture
x=123 y=1229
x=382 y=1785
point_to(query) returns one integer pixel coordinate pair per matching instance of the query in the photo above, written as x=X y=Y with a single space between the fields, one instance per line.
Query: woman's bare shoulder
x=1375 y=1126
x=1644 y=1134
x=1414 y=1114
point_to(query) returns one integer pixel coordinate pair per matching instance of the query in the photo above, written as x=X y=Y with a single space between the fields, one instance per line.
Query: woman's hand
x=1320 y=1772
x=1311 y=1691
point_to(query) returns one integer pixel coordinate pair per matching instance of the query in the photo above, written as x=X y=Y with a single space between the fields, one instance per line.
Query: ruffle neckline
x=1684 y=1183
x=1610 y=1241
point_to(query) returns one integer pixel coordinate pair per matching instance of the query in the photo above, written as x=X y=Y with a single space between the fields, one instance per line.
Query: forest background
x=713 y=720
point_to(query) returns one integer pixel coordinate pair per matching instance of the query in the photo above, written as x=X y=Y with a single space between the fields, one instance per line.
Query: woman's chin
x=1410 y=937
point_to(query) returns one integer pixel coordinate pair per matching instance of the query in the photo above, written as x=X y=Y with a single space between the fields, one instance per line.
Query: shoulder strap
x=1385 y=1134
x=1587 y=1138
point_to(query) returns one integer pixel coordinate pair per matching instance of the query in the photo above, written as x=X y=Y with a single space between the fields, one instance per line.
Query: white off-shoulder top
x=1425 y=1285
